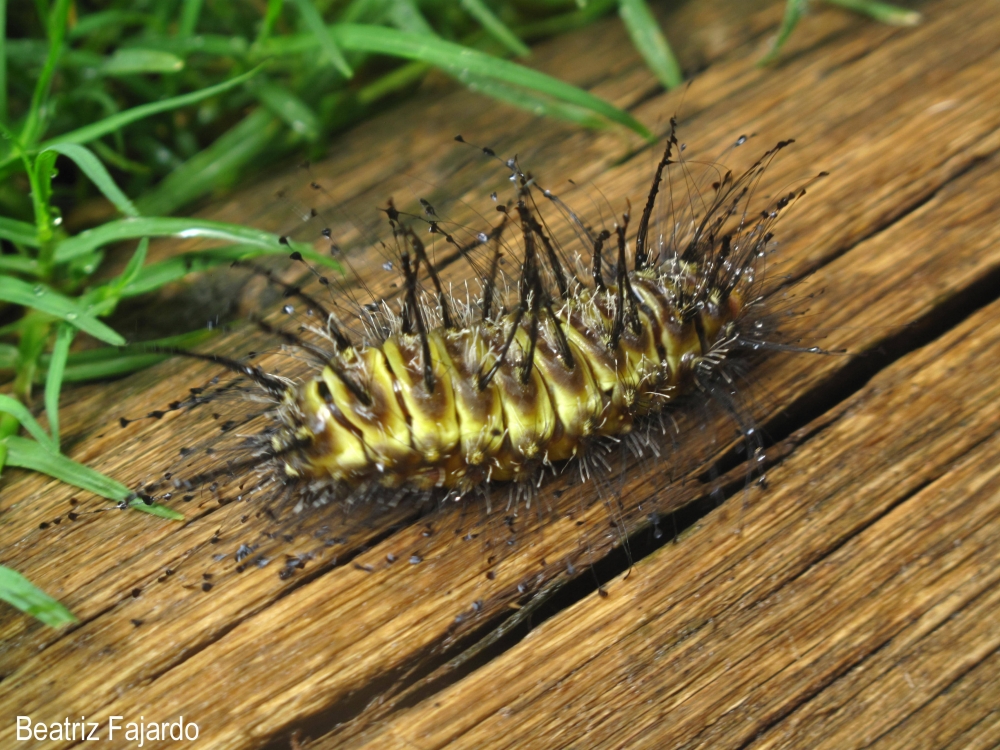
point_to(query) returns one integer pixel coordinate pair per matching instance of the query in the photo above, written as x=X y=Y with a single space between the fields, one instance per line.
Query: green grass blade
x=40 y=176
x=117 y=160
x=56 y=28
x=584 y=15
x=539 y=105
x=124 y=364
x=20 y=232
x=884 y=12
x=406 y=16
x=54 y=379
x=314 y=22
x=10 y=405
x=161 y=511
x=298 y=115
x=270 y=18
x=27 y=454
x=185 y=228
x=8 y=426
x=203 y=172
x=93 y=22
x=109 y=362
x=135 y=264
x=793 y=12
x=47 y=300
x=91 y=166
x=3 y=60
x=18 y=264
x=221 y=45
x=32 y=455
x=18 y=591
x=462 y=61
x=133 y=61
x=190 y=11
x=155 y=275
x=402 y=77
x=649 y=40
x=120 y=120
x=495 y=27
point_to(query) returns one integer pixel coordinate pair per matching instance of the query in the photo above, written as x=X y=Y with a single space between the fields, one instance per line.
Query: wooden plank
x=724 y=638
x=883 y=595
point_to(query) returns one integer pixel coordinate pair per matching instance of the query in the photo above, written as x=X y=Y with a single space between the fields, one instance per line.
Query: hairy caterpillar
x=438 y=396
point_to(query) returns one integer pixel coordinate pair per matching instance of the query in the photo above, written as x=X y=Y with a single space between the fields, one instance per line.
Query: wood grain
x=851 y=602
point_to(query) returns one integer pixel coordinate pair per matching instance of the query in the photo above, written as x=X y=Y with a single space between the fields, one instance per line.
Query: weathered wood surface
x=852 y=602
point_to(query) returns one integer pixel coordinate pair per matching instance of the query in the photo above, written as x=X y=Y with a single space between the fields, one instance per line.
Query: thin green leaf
x=92 y=22
x=34 y=335
x=8 y=426
x=314 y=22
x=462 y=62
x=3 y=60
x=189 y=17
x=114 y=361
x=539 y=105
x=270 y=18
x=363 y=11
x=185 y=228
x=19 y=264
x=793 y=12
x=91 y=166
x=203 y=172
x=120 y=120
x=27 y=454
x=649 y=40
x=401 y=78
x=83 y=266
x=19 y=411
x=161 y=511
x=109 y=362
x=54 y=379
x=584 y=15
x=56 y=28
x=156 y=275
x=18 y=591
x=133 y=61
x=44 y=172
x=47 y=300
x=298 y=115
x=113 y=368
x=135 y=264
x=406 y=16
x=495 y=27
x=222 y=45
x=20 y=232
x=884 y=12
x=118 y=161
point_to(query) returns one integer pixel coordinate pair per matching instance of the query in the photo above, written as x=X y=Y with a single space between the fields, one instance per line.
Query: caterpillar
x=433 y=395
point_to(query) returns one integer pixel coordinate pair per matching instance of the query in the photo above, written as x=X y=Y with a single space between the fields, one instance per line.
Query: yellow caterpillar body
x=459 y=434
